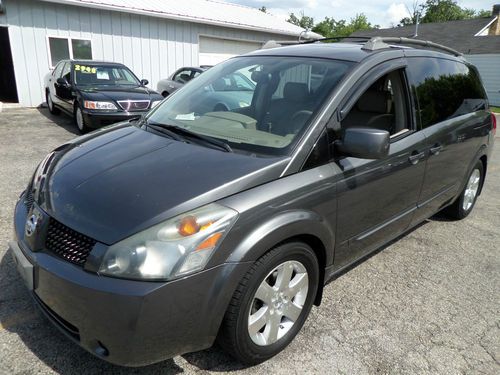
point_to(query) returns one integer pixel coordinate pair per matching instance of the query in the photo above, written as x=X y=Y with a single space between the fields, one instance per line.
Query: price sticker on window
x=85 y=69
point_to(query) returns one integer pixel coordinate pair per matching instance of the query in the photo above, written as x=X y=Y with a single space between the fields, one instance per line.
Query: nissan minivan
x=156 y=237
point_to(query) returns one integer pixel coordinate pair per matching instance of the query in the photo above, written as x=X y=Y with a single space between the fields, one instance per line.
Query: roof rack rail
x=379 y=42
x=275 y=43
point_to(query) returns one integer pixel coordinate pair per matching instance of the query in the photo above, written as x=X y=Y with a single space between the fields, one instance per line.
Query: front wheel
x=271 y=303
x=463 y=206
x=80 y=120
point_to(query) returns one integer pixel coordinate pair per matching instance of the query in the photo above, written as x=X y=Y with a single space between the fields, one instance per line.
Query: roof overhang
x=194 y=19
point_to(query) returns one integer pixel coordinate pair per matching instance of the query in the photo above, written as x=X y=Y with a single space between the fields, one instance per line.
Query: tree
x=440 y=11
x=263 y=9
x=329 y=27
x=303 y=21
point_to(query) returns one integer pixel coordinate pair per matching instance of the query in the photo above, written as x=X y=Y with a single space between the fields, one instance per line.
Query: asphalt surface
x=428 y=303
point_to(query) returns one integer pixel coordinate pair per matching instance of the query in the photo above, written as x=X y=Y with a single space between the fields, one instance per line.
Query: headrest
x=260 y=77
x=295 y=91
x=373 y=101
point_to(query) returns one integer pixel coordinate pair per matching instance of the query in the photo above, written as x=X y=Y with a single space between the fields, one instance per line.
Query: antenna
x=416 y=25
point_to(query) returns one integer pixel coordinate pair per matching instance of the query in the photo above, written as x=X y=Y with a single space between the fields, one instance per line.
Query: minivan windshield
x=254 y=104
x=103 y=75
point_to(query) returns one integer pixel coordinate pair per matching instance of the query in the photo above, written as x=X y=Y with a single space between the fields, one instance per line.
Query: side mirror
x=144 y=82
x=365 y=143
x=62 y=82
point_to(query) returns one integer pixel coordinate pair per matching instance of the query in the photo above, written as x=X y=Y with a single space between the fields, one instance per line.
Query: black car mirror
x=144 y=82
x=62 y=82
x=364 y=143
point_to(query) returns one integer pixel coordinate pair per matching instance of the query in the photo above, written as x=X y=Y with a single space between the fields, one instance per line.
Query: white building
x=152 y=37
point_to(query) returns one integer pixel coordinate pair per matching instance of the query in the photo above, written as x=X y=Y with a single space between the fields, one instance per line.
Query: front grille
x=29 y=199
x=67 y=243
x=134 y=105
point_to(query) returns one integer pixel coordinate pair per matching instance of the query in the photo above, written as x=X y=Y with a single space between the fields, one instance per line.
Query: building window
x=68 y=48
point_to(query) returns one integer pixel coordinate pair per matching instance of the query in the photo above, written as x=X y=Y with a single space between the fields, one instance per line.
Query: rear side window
x=444 y=89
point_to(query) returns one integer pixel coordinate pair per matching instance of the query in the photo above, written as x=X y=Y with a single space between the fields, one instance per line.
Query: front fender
x=282 y=227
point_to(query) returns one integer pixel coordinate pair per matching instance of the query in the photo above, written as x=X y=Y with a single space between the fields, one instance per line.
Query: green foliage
x=440 y=11
x=303 y=21
x=329 y=27
x=451 y=89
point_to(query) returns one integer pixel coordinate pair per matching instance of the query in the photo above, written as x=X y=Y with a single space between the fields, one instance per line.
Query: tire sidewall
x=463 y=213
x=290 y=251
x=84 y=128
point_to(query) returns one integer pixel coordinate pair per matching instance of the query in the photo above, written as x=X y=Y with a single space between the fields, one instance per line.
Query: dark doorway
x=8 y=91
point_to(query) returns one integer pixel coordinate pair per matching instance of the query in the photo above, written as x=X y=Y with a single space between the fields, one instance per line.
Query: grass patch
x=495 y=109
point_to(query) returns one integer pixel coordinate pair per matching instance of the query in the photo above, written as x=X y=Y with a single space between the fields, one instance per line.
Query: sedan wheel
x=50 y=104
x=80 y=120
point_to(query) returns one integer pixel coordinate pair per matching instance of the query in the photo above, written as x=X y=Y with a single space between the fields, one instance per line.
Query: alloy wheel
x=278 y=303
x=471 y=189
x=79 y=119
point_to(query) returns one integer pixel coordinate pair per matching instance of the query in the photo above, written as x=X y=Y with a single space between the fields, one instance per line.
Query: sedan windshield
x=109 y=75
x=258 y=105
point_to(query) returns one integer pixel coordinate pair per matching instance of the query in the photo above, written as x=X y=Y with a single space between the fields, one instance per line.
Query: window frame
x=365 y=82
x=69 y=40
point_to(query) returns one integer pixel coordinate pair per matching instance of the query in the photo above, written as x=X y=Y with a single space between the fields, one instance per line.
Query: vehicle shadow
x=19 y=315
x=62 y=120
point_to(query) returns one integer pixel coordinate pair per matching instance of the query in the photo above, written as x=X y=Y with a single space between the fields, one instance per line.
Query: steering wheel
x=221 y=107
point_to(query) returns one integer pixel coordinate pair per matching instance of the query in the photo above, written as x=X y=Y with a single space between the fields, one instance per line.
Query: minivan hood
x=113 y=183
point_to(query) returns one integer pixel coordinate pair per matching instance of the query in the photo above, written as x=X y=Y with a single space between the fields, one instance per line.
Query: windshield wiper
x=185 y=133
x=160 y=128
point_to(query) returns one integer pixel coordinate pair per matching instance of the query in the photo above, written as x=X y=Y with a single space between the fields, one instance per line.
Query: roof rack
x=370 y=43
x=379 y=42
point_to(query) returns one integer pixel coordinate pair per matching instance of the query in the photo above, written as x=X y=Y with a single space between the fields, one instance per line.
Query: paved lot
x=427 y=304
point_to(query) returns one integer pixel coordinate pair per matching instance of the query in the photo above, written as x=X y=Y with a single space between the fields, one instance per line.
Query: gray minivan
x=155 y=237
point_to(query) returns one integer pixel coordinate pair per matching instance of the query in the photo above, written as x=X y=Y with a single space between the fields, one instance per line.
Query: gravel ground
x=428 y=303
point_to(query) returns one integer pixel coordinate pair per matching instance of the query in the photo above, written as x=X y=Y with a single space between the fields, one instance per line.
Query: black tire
x=457 y=211
x=50 y=104
x=234 y=336
x=165 y=94
x=80 y=124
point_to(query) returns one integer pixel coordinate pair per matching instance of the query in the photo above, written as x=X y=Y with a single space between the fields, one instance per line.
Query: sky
x=385 y=13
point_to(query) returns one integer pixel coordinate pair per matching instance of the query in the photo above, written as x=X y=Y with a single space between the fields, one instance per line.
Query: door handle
x=415 y=157
x=436 y=149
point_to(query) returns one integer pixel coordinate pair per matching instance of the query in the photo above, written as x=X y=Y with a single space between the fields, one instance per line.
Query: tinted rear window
x=444 y=89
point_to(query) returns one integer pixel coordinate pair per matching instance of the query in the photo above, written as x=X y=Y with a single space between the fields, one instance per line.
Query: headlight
x=155 y=103
x=99 y=105
x=174 y=248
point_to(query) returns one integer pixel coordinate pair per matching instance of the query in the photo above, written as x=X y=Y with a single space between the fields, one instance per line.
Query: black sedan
x=97 y=93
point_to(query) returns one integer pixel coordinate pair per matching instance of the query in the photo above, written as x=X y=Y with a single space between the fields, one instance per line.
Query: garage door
x=215 y=50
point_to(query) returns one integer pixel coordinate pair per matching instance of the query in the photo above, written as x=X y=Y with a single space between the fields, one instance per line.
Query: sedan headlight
x=99 y=105
x=155 y=103
x=174 y=248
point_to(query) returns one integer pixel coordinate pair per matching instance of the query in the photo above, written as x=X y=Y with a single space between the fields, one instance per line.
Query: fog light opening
x=101 y=350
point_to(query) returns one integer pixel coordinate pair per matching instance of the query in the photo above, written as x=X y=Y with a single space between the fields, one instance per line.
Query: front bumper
x=129 y=323
x=95 y=119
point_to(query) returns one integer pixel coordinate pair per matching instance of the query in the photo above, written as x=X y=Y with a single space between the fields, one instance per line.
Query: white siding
x=152 y=47
x=489 y=68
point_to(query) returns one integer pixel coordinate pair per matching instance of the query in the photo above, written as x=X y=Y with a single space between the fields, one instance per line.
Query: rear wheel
x=463 y=206
x=52 y=108
x=164 y=94
x=80 y=120
x=271 y=303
